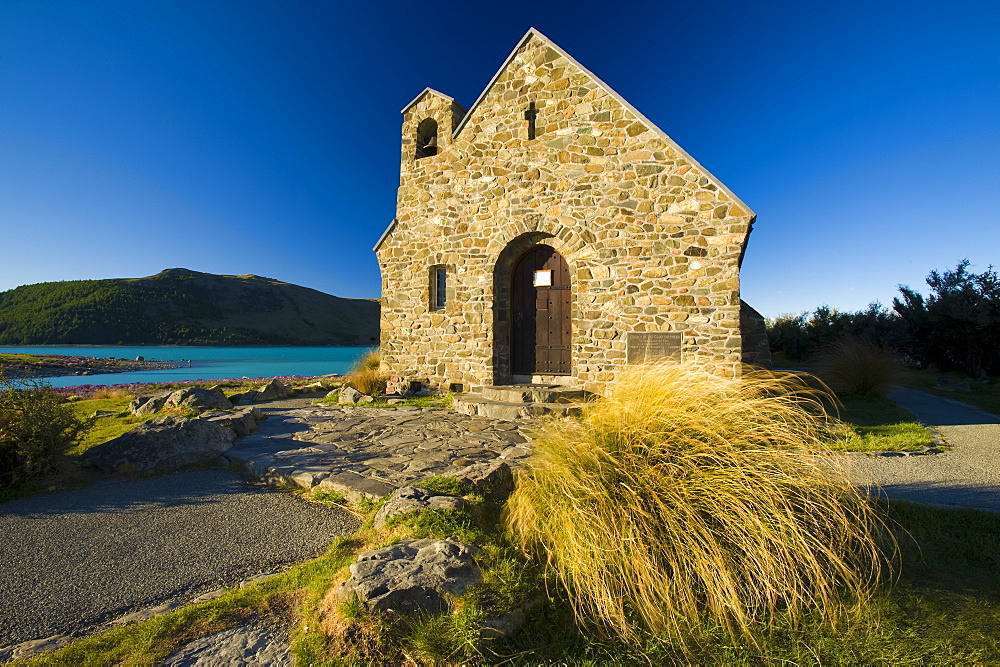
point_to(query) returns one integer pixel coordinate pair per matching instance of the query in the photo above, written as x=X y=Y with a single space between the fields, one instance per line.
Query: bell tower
x=428 y=123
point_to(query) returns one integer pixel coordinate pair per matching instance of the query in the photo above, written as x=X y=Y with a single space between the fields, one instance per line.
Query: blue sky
x=263 y=137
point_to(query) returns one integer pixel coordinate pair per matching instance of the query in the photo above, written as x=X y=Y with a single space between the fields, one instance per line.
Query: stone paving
x=370 y=452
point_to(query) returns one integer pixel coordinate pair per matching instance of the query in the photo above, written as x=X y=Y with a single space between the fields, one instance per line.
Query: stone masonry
x=550 y=155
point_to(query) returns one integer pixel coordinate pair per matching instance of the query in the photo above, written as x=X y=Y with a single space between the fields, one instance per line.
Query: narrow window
x=439 y=287
x=530 y=115
x=427 y=138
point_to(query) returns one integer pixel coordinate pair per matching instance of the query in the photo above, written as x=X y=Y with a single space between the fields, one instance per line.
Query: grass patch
x=877 y=424
x=983 y=393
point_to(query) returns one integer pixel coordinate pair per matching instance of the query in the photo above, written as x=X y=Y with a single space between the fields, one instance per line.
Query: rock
x=140 y=358
x=273 y=390
x=235 y=646
x=494 y=478
x=312 y=388
x=242 y=421
x=161 y=445
x=332 y=394
x=199 y=399
x=952 y=384
x=28 y=649
x=349 y=395
x=145 y=614
x=411 y=498
x=412 y=576
x=103 y=413
x=191 y=397
x=366 y=399
x=249 y=396
x=236 y=399
x=147 y=405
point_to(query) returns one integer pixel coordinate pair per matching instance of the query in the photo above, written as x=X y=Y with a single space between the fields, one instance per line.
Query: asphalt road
x=966 y=475
x=72 y=560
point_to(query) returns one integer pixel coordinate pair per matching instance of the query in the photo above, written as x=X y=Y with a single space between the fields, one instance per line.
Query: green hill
x=178 y=306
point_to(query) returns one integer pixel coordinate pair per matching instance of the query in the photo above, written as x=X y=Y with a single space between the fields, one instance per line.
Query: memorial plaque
x=653 y=346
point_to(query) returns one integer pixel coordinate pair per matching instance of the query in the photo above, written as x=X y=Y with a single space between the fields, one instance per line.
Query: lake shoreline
x=21 y=366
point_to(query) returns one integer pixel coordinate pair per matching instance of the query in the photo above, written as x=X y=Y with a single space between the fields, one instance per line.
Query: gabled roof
x=532 y=32
x=427 y=91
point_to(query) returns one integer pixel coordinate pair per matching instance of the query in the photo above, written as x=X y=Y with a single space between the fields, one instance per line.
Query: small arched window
x=427 y=138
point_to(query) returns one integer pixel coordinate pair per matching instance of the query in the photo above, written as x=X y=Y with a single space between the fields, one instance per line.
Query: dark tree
x=957 y=326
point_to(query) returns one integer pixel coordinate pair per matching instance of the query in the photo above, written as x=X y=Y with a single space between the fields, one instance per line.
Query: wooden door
x=541 y=314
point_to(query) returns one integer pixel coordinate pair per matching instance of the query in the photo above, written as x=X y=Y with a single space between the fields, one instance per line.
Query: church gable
x=550 y=156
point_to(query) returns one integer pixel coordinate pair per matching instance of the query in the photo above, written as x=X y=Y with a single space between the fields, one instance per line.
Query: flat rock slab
x=236 y=646
x=361 y=452
x=75 y=560
x=412 y=576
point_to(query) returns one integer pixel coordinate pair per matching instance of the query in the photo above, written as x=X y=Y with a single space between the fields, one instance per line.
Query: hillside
x=178 y=306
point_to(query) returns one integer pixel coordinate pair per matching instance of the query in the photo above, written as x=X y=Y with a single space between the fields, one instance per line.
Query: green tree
x=957 y=326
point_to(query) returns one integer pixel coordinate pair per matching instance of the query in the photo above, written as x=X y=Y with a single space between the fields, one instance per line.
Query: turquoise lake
x=207 y=363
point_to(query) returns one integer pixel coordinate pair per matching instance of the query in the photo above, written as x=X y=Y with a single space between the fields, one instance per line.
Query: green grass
x=876 y=424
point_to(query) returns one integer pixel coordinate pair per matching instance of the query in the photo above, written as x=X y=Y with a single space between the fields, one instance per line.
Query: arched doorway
x=541 y=314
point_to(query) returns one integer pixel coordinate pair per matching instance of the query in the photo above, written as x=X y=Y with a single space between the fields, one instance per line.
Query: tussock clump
x=685 y=501
x=366 y=375
x=856 y=366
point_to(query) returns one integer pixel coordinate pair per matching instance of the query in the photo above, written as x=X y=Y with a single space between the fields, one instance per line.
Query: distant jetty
x=59 y=365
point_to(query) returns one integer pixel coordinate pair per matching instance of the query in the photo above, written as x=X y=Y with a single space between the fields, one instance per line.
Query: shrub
x=856 y=366
x=366 y=375
x=685 y=501
x=36 y=426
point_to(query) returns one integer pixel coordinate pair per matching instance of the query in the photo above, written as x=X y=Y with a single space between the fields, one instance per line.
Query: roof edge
x=610 y=91
x=385 y=235
x=425 y=91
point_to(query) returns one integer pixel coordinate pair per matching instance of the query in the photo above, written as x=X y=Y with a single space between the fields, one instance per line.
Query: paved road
x=967 y=475
x=75 y=559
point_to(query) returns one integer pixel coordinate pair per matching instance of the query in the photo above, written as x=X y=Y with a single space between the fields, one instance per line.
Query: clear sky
x=263 y=137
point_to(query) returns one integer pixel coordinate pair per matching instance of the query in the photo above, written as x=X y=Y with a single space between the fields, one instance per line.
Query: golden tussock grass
x=685 y=501
x=366 y=375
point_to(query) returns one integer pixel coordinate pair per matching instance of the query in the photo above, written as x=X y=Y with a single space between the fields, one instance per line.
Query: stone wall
x=652 y=240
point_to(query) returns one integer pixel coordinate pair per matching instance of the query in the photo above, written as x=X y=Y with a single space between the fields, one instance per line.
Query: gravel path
x=72 y=560
x=967 y=475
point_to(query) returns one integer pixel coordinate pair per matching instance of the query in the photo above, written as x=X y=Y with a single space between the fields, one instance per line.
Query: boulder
x=412 y=576
x=411 y=498
x=148 y=405
x=274 y=389
x=242 y=421
x=493 y=478
x=199 y=399
x=349 y=395
x=161 y=445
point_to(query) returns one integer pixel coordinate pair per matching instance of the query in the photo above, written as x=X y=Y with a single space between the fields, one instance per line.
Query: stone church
x=552 y=234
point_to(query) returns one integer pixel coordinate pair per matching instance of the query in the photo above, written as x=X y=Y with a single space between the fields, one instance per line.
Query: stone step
x=479 y=406
x=532 y=393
